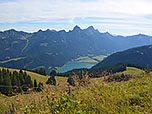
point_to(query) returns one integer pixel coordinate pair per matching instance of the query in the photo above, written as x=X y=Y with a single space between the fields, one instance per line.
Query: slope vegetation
x=140 y=55
x=132 y=96
x=50 y=48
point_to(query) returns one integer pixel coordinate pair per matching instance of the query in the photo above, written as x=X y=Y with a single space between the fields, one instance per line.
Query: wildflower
x=69 y=92
x=47 y=97
x=53 y=99
x=53 y=94
x=13 y=108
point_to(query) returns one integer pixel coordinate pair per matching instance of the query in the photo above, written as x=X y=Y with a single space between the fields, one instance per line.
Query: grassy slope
x=21 y=100
x=13 y=59
x=100 y=57
x=129 y=97
x=133 y=96
x=134 y=72
x=91 y=59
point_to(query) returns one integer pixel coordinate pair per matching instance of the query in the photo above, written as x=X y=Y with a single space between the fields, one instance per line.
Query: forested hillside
x=49 y=49
x=140 y=55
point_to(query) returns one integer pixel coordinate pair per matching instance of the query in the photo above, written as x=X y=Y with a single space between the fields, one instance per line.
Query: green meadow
x=98 y=97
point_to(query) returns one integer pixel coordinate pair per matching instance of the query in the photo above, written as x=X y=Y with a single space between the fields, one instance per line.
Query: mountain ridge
x=76 y=26
x=51 y=48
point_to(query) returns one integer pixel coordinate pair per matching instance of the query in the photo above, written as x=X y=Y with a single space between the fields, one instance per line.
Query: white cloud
x=130 y=11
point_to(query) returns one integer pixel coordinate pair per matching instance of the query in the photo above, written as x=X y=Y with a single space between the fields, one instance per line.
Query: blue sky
x=121 y=17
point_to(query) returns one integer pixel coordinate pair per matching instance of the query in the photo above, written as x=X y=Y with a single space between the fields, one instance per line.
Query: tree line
x=41 y=71
x=98 y=72
x=16 y=82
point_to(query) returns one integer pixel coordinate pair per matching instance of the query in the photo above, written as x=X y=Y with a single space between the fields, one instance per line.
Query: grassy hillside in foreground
x=133 y=96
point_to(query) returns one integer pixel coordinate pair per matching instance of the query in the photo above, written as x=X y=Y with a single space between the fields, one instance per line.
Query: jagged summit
x=76 y=28
x=140 y=34
x=40 y=30
x=62 y=31
x=90 y=28
x=48 y=30
x=10 y=30
x=107 y=33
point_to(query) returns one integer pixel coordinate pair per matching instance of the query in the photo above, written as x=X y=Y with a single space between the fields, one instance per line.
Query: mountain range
x=51 y=48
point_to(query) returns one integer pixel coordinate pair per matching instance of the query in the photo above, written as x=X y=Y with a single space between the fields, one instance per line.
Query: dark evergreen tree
x=35 y=85
x=122 y=76
x=22 y=81
x=53 y=73
x=71 y=81
x=147 y=70
x=40 y=86
x=15 y=82
x=51 y=80
x=14 y=79
x=19 y=85
x=7 y=84
x=30 y=81
x=1 y=80
x=42 y=71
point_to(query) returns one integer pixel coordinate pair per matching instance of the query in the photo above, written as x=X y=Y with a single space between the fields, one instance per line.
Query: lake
x=74 y=65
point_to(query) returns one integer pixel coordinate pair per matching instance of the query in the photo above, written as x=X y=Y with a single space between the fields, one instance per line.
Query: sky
x=119 y=17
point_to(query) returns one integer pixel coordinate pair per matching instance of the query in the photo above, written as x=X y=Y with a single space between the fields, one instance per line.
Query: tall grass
x=99 y=97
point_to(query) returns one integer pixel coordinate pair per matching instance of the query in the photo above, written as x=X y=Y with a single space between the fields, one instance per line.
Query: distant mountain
x=52 y=48
x=140 y=55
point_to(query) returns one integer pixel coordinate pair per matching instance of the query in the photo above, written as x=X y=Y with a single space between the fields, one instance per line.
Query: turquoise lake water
x=74 y=65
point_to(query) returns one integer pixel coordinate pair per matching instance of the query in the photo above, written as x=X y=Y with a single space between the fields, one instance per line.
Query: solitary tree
x=42 y=71
x=51 y=80
x=53 y=73
x=71 y=81
x=35 y=85
x=40 y=85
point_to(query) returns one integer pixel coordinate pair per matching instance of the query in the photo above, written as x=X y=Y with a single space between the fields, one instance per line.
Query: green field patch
x=54 y=41
x=14 y=42
x=7 y=49
x=27 y=42
x=90 y=59
x=134 y=72
x=100 y=57
x=82 y=58
x=13 y=59
x=86 y=59
x=38 y=67
x=25 y=37
x=54 y=68
x=49 y=53
x=44 y=44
